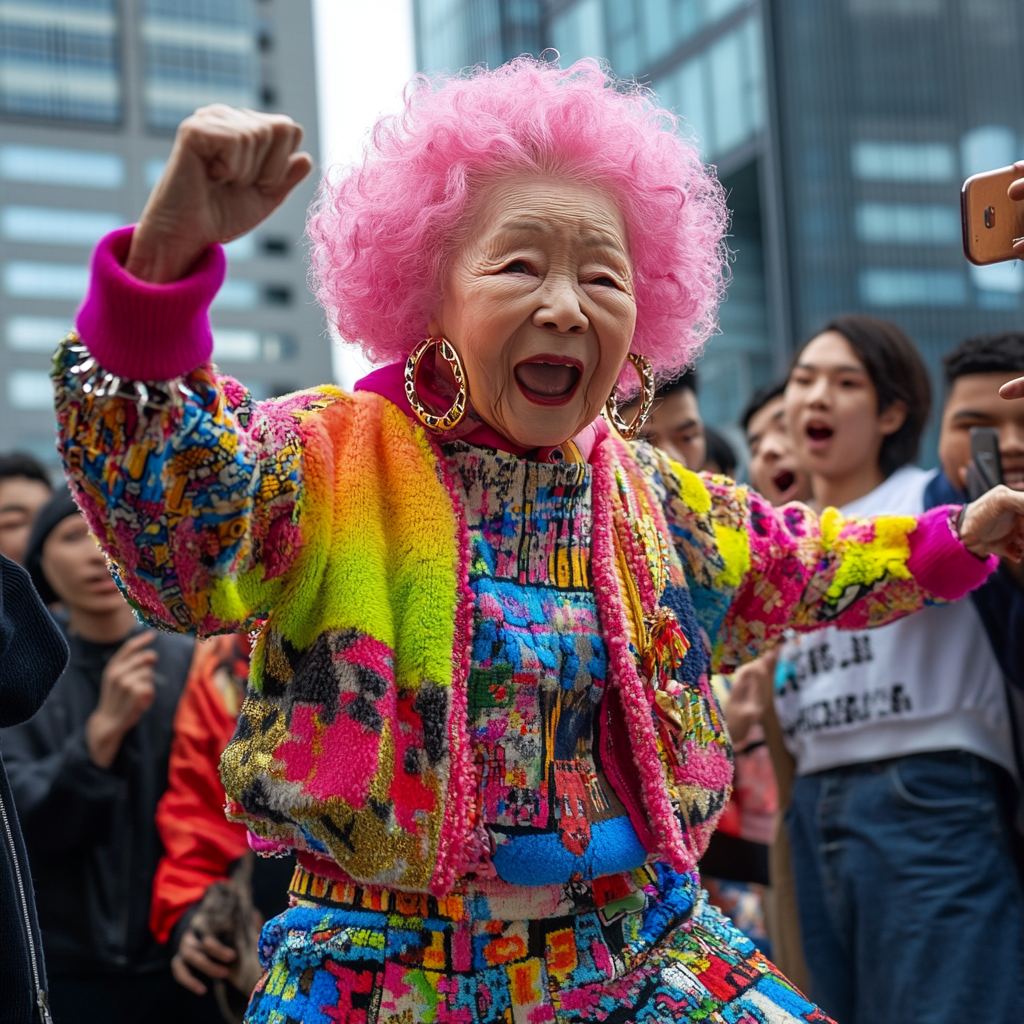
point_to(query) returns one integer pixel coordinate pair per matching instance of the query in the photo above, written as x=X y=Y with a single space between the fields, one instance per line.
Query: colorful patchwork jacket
x=331 y=524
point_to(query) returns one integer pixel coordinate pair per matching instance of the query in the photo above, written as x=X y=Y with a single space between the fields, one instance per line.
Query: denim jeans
x=911 y=908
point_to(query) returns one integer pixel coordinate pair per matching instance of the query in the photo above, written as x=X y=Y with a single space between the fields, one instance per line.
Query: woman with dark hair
x=901 y=735
x=885 y=385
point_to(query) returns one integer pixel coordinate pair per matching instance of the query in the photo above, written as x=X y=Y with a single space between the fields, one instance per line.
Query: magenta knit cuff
x=146 y=331
x=939 y=561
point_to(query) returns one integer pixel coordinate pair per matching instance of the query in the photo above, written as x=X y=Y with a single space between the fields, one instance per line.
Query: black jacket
x=32 y=656
x=999 y=600
x=1000 y=604
x=90 y=831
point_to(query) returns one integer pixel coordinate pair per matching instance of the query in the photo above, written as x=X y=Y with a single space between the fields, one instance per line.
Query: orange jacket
x=199 y=842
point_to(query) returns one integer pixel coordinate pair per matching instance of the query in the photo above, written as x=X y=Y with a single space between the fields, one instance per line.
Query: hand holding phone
x=985 y=470
x=992 y=213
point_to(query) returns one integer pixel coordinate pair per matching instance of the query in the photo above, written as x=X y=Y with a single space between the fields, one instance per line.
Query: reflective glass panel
x=198 y=52
x=53 y=226
x=904 y=161
x=907 y=223
x=579 y=32
x=885 y=287
x=31 y=279
x=236 y=345
x=30 y=390
x=35 y=333
x=237 y=294
x=46 y=165
x=60 y=60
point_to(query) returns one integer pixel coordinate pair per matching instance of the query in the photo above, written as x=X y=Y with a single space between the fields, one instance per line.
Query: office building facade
x=91 y=92
x=842 y=130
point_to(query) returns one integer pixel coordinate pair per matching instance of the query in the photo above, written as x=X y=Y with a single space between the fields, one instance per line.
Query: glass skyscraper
x=842 y=130
x=91 y=92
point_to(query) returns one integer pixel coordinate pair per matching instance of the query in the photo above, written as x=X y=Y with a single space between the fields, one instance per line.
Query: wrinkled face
x=20 y=500
x=539 y=306
x=76 y=569
x=832 y=410
x=774 y=472
x=974 y=402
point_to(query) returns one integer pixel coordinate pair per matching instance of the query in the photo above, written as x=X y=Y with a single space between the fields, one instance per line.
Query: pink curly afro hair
x=383 y=232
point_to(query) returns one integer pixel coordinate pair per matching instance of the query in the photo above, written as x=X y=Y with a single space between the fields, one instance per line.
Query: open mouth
x=549 y=380
x=819 y=432
x=784 y=480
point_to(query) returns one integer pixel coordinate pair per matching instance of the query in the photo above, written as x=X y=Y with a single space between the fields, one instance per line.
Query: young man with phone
x=975 y=372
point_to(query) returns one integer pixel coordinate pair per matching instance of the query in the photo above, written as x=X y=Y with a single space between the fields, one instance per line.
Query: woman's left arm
x=756 y=570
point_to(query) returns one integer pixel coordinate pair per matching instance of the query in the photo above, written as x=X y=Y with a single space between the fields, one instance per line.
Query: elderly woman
x=479 y=706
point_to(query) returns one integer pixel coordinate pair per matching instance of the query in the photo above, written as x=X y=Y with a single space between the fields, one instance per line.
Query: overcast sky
x=365 y=55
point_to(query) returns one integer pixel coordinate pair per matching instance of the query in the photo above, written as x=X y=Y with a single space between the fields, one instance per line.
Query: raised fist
x=229 y=170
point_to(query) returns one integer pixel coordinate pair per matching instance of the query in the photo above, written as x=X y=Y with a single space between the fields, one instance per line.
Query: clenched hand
x=229 y=170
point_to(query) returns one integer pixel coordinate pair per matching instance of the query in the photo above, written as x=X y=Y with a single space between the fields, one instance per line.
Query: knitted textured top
x=538 y=673
x=337 y=523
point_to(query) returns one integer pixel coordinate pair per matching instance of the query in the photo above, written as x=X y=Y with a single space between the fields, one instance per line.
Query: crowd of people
x=530 y=713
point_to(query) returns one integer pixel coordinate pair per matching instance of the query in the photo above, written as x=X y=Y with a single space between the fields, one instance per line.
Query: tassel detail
x=661 y=665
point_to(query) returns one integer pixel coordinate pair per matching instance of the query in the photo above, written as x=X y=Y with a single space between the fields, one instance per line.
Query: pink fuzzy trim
x=454 y=846
x=148 y=331
x=622 y=667
x=938 y=560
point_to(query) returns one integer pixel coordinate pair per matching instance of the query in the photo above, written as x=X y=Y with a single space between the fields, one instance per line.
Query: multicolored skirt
x=640 y=947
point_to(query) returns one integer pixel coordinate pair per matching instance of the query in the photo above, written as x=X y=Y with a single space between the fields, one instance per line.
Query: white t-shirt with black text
x=927 y=682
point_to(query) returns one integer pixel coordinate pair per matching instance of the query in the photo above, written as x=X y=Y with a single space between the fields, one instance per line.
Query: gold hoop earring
x=454 y=415
x=628 y=431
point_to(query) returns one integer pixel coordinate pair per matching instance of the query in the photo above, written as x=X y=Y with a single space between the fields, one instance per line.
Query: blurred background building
x=842 y=130
x=91 y=92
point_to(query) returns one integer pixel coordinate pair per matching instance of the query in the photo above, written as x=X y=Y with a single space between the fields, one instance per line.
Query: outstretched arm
x=755 y=570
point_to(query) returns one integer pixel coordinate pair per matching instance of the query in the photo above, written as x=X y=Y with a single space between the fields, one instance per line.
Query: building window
x=277 y=295
x=238 y=345
x=237 y=293
x=986 y=148
x=904 y=161
x=276 y=246
x=60 y=60
x=998 y=285
x=29 y=279
x=47 y=225
x=579 y=32
x=441 y=34
x=907 y=223
x=29 y=390
x=45 y=165
x=885 y=287
x=198 y=53
x=241 y=249
x=35 y=333
x=235 y=345
x=720 y=93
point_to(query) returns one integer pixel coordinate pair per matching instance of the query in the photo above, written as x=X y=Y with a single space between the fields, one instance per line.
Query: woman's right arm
x=193 y=490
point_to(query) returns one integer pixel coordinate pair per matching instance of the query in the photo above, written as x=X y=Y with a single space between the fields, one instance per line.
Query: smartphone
x=985 y=470
x=991 y=220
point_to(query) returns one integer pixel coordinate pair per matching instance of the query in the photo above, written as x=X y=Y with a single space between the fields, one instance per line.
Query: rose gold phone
x=992 y=221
